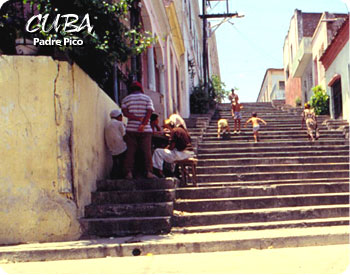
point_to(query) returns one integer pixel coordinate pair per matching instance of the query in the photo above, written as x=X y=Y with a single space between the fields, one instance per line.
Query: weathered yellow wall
x=51 y=137
x=90 y=115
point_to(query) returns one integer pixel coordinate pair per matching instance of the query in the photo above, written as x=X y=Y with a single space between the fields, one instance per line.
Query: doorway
x=337 y=99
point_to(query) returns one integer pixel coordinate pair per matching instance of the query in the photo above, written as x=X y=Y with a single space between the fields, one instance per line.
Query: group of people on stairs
x=236 y=107
x=133 y=142
x=308 y=116
x=142 y=134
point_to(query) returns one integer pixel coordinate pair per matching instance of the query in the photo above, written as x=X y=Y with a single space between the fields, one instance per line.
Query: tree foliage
x=320 y=101
x=201 y=101
x=219 y=89
x=112 y=40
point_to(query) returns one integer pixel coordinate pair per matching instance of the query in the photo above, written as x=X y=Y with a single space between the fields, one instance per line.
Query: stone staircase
x=196 y=126
x=129 y=207
x=284 y=181
x=338 y=124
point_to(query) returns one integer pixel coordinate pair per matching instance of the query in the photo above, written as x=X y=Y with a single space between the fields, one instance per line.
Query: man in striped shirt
x=138 y=107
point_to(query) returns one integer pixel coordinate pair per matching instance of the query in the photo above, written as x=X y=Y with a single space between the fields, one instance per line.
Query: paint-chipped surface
x=51 y=141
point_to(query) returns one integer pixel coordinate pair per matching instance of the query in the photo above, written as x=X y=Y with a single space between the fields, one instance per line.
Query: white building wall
x=307 y=84
x=341 y=66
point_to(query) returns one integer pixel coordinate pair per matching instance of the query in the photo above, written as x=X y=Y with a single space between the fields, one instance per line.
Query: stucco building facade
x=52 y=130
x=308 y=38
x=336 y=61
x=297 y=54
x=273 y=86
x=173 y=66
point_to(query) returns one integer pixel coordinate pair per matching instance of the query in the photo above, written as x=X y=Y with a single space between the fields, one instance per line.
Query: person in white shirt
x=114 y=133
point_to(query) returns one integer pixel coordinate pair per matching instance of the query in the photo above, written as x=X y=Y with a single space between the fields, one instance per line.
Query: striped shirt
x=137 y=104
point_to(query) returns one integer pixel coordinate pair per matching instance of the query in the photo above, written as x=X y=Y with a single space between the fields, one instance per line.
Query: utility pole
x=204 y=16
x=205 y=48
x=134 y=23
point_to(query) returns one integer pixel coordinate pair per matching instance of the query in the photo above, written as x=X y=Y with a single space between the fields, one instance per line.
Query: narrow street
x=333 y=259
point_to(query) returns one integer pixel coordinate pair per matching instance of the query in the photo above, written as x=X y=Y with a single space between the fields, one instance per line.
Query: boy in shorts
x=255 y=122
x=236 y=114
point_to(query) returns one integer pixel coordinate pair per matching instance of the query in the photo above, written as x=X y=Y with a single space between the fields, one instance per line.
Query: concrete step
x=267 y=156
x=259 y=111
x=273 y=119
x=213 y=131
x=272 y=126
x=275 y=144
x=247 y=108
x=263 y=136
x=177 y=243
x=293 y=224
x=278 y=118
x=266 y=139
x=275 y=167
x=269 y=182
x=265 y=189
x=107 y=227
x=134 y=196
x=252 y=148
x=272 y=130
x=129 y=210
x=272 y=160
x=265 y=176
x=265 y=113
x=184 y=219
x=136 y=184
x=267 y=117
x=259 y=202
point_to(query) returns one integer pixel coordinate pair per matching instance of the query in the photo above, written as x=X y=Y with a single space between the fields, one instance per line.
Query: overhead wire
x=214 y=6
x=253 y=45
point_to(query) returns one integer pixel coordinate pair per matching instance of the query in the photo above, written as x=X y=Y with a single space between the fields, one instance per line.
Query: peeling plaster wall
x=51 y=140
x=91 y=160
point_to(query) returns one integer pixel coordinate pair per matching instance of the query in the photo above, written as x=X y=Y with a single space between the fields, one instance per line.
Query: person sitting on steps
x=178 y=121
x=114 y=133
x=179 y=148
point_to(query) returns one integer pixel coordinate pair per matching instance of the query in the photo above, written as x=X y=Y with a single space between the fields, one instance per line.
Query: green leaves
x=112 y=39
x=320 y=101
x=200 y=101
x=218 y=89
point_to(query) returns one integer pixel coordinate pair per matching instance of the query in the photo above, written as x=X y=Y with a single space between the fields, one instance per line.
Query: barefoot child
x=223 y=127
x=255 y=122
x=236 y=114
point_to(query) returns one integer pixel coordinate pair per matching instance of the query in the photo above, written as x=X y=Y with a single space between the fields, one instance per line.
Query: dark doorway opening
x=337 y=99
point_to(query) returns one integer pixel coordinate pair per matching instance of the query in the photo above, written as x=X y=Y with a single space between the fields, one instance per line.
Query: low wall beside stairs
x=52 y=144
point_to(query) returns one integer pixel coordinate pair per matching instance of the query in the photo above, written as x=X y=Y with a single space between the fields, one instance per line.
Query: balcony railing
x=302 y=58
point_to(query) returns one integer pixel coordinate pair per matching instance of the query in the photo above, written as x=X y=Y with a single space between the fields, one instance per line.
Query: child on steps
x=236 y=114
x=223 y=127
x=255 y=122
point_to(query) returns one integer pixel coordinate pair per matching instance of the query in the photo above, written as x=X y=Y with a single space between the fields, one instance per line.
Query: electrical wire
x=211 y=8
x=215 y=27
x=253 y=45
